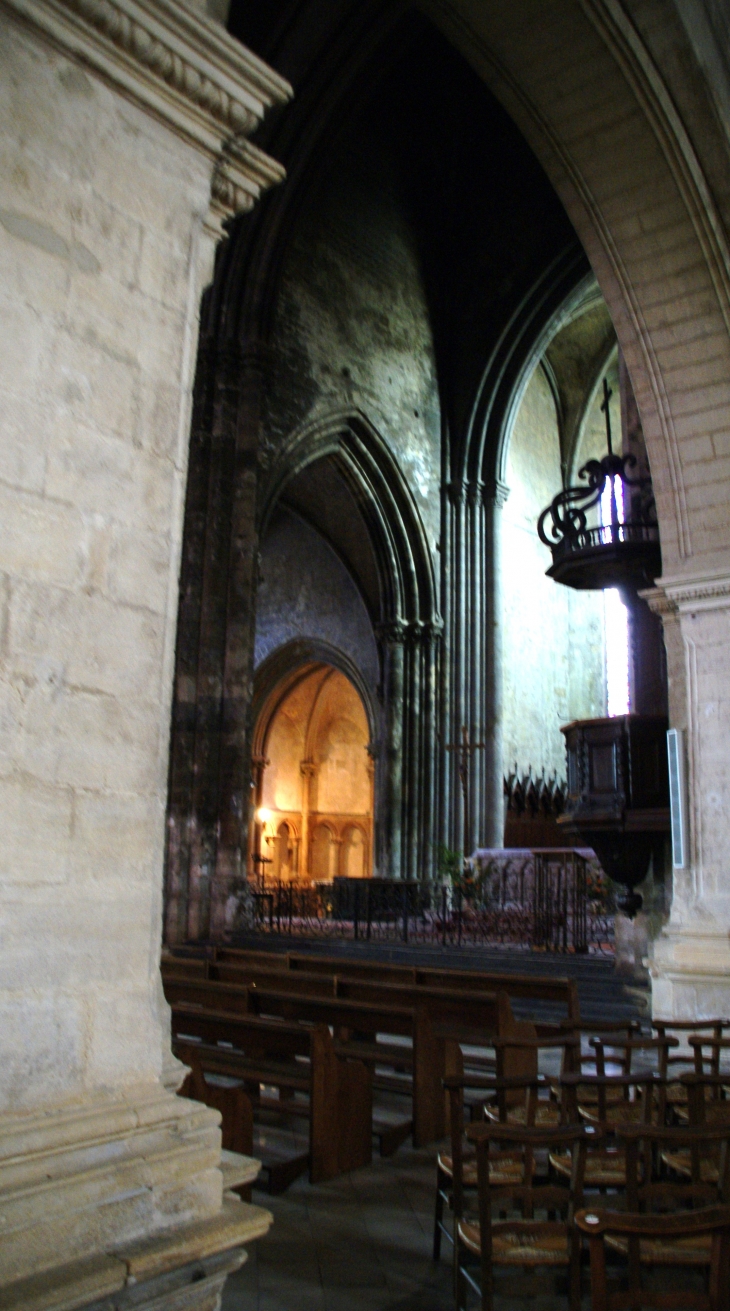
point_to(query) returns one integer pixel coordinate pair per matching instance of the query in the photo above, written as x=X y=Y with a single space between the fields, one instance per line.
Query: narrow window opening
x=615 y=613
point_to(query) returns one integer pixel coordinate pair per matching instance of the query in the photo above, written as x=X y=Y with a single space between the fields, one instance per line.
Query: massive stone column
x=209 y=771
x=124 y=128
x=690 y=962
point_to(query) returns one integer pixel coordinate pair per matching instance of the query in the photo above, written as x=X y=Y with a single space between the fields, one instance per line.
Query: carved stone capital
x=494 y=491
x=710 y=591
x=659 y=603
x=182 y=67
x=398 y=632
x=475 y=492
x=456 y=492
x=393 y=632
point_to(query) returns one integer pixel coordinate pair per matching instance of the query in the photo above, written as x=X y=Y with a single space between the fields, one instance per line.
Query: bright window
x=616 y=616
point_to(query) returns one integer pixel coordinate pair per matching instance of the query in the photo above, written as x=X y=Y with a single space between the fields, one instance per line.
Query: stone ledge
x=75 y=1180
x=184 y=1252
x=706 y=591
x=238 y=1170
x=67 y=1286
x=237 y=1223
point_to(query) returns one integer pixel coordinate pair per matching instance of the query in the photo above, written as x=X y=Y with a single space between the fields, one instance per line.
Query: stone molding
x=496 y=492
x=184 y=1269
x=473 y=492
x=397 y=632
x=659 y=603
x=679 y=595
x=182 y=67
x=149 y=1160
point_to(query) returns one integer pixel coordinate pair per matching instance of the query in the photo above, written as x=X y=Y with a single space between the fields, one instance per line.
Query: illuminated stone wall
x=553 y=640
x=316 y=813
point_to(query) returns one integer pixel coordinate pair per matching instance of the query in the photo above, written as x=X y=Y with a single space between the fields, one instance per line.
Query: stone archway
x=636 y=151
x=313 y=777
x=638 y=170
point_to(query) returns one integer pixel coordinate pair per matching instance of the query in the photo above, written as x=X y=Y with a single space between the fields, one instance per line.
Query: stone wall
x=305 y=591
x=553 y=641
x=352 y=325
x=109 y=213
x=101 y=243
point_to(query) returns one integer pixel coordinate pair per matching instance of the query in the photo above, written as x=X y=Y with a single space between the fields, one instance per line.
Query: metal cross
x=607 y=394
x=465 y=749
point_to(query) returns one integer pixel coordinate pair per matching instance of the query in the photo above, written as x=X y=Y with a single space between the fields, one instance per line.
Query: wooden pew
x=235 y=1107
x=359 y=1022
x=473 y=1015
x=178 y=981
x=455 y=1017
x=517 y=986
x=360 y=1025
x=339 y=1087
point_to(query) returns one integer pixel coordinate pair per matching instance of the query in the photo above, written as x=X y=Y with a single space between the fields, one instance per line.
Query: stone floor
x=359 y=1243
x=363 y=1243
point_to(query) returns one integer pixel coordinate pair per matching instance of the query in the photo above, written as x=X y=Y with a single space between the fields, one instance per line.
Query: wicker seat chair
x=532 y=1238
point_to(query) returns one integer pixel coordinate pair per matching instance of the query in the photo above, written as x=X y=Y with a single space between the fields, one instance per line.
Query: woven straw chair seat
x=520 y=1242
x=604 y=1168
x=546 y=1115
x=500 y=1172
x=681 y=1162
x=696 y=1249
x=619 y=1112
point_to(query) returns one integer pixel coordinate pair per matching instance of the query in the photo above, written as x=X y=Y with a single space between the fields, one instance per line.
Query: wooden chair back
x=650 y=1188
x=531 y=1192
x=601 y=1093
x=680 y=1029
x=578 y=1059
x=707 y=1100
x=518 y=1053
x=714 y=1046
x=504 y=1091
x=713 y=1221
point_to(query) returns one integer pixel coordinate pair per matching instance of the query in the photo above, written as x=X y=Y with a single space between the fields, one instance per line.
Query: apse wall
x=552 y=636
x=306 y=591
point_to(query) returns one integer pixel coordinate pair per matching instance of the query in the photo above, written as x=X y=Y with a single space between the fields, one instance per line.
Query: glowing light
x=606 y=508
x=615 y=614
x=616 y=620
x=263 y=815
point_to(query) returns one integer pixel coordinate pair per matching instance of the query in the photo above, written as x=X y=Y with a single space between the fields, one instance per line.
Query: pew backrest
x=561 y=990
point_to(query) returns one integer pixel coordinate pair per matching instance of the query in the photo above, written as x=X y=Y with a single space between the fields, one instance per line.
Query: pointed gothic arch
x=408 y=592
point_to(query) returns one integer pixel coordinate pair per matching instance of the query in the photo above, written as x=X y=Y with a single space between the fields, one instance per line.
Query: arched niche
x=313 y=812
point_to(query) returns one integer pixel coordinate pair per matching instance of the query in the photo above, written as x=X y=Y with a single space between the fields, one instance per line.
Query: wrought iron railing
x=568 y=511
x=520 y=900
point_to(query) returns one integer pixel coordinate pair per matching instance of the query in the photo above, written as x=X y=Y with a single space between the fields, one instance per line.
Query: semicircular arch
x=285 y=668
